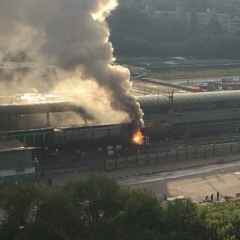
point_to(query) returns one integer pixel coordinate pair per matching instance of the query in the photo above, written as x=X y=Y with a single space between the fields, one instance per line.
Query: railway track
x=226 y=146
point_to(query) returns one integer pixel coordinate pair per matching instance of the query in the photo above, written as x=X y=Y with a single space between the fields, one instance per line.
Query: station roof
x=22 y=108
x=37 y=103
x=191 y=99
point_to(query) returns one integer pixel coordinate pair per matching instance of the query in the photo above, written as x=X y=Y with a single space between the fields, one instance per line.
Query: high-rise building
x=181 y=10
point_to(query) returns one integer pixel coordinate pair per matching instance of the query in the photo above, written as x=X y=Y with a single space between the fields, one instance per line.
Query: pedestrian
x=211 y=197
x=218 y=196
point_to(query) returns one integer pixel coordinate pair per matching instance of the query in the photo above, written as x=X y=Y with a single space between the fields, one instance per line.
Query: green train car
x=86 y=137
x=17 y=163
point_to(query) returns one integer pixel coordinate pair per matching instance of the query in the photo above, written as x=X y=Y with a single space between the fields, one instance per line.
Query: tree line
x=98 y=208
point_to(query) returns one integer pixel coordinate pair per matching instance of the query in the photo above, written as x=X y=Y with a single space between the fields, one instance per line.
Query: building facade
x=227 y=17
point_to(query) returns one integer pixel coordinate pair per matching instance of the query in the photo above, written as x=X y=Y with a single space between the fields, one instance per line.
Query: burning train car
x=87 y=138
x=28 y=119
x=187 y=116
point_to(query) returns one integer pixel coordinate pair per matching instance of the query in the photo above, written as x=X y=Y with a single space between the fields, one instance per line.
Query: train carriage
x=186 y=115
x=192 y=114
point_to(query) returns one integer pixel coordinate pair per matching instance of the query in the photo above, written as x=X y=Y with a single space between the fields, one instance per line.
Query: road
x=181 y=174
x=195 y=183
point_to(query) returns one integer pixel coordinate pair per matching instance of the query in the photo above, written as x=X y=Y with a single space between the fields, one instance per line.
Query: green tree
x=142 y=217
x=101 y=201
x=184 y=222
x=97 y=209
x=19 y=204
x=58 y=217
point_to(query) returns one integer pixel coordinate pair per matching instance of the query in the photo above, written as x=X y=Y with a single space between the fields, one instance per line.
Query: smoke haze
x=73 y=36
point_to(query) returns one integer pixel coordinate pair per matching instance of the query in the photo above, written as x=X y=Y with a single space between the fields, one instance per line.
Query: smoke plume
x=72 y=35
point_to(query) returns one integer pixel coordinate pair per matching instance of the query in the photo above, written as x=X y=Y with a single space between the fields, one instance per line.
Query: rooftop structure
x=192 y=101
x=34 y=110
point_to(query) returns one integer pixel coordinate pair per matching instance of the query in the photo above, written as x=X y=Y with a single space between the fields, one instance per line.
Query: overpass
x=168 y=84
x=14 y=111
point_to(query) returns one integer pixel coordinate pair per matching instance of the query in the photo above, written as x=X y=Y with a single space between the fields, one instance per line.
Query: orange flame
x=138 y=137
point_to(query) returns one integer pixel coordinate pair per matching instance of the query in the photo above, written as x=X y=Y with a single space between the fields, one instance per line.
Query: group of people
x=211 y=197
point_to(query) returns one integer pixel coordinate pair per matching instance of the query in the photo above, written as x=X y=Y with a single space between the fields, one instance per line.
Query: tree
x=184 y=222
x=142 y=217
x=98 y=209
x=58 y=217
x=19 y=204
x=101 y=201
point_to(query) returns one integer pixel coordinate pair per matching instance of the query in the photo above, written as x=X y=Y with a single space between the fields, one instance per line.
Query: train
x=182 y=116
x=191 y=115
x=87 y=137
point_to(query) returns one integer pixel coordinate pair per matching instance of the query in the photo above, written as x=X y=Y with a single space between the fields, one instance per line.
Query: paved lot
x=197 y=188
x=194 y=183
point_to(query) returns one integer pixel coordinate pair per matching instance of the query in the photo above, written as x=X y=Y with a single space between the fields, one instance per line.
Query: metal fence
x=177 y=154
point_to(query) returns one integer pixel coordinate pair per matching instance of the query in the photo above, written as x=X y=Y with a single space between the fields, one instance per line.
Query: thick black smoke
x=72 y=35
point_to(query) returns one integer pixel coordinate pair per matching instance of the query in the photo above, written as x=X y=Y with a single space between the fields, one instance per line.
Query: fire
x=138 y=137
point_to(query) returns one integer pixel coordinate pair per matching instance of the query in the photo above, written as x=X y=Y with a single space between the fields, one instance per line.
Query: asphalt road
x=195 y=183
x=211 y=169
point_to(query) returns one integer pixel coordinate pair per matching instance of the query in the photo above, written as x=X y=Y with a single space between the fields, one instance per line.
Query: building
x=228 y=21
x=167 y=15
x=235 y=25
x=34 y=111
x=205 y=19
x=185 y=15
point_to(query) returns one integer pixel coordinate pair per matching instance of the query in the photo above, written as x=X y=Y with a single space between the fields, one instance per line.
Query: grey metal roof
x=50 y=107
x=191 y=99
x=36 y=107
